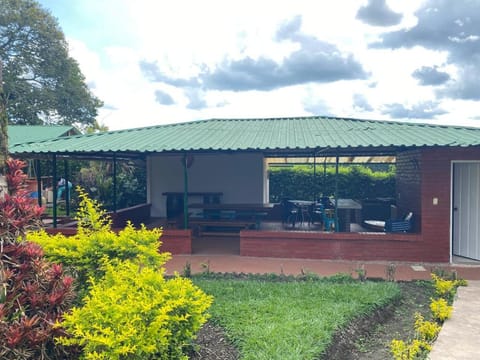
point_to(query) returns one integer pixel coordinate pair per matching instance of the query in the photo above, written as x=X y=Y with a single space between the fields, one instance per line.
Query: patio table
x=229 y=214
x=348 y=212
x=303 y=212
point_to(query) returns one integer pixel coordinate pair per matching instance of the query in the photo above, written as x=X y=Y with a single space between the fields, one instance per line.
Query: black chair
x=290 y=213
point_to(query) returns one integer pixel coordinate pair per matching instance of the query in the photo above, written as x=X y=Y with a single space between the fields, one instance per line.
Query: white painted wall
x=240 y=177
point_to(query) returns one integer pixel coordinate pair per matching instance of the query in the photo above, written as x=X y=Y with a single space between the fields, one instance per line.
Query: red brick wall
x=346 y=246
x=176 y=241
x=436 y=183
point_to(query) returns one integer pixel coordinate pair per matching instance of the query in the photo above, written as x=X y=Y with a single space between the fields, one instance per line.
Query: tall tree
x=3 y=131
x=42 y=84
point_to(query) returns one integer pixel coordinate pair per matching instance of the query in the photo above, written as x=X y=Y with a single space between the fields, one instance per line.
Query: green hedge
x=354 y=182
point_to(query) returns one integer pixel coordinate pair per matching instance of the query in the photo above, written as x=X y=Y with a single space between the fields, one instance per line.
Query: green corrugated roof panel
x=262 y=134
x=19 y=134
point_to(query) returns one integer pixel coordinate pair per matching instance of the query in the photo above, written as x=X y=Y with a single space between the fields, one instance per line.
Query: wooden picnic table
x=236 y=207
x=232 y=217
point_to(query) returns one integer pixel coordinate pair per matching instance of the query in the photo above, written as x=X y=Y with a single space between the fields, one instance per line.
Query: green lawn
x=290 y=320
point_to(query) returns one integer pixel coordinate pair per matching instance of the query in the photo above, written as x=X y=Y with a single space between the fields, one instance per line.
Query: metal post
x=67 y=189
x=185 y=192
x=314 y=187
x=114 y=183
x=39 y=181
x=324 y=173
x=336 y=193
x=54 y=189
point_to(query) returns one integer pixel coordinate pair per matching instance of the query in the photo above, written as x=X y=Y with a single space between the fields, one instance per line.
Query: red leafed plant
x=34 y=294
x=19 y=212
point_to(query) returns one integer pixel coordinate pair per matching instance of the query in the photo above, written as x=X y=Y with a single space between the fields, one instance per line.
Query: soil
x=366 y=338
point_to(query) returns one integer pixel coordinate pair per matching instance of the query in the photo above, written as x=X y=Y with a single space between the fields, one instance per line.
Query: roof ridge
x=310 y=117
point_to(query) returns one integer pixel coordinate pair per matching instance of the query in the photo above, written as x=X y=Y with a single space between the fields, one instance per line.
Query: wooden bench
x=214 y=227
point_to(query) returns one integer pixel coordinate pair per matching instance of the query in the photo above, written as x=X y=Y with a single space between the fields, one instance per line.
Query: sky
x=161 y=62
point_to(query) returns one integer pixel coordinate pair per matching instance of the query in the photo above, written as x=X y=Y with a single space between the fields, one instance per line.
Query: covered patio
x=198 y=167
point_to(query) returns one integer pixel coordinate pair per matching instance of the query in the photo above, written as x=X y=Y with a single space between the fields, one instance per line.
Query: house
x=438 y=178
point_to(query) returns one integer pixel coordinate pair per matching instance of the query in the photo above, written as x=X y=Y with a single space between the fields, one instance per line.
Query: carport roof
x=272 y=136
x=21 y=134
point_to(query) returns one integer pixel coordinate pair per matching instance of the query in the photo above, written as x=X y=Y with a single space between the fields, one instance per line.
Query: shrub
x=97 y=178
x=33 y=293
x=95 y=242
x=416 y=349
x=129 y=310
x=426 y=330
x=34 y=296
x=19 y=212
x=441 y=311
x=356 y=182
x=134 y=313
x=444 y=288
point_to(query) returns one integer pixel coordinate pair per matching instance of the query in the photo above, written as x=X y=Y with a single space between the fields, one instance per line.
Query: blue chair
x=328 y=221
x=402 y=225
x=393 y=225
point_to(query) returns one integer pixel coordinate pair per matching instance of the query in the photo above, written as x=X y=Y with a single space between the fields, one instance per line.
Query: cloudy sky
x=160 y=62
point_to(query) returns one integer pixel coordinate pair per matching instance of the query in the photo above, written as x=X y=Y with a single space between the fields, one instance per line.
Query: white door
x=466 y=210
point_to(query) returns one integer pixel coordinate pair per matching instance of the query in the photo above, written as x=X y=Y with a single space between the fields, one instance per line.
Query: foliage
x=416 y=349
x=338 y=278
x=97 y=179
x=426 y=330
x=34 y=296
x=446 y=288
x=3 y=125
x=33 y=293
x=95 y=242
x=42 y=83
x=129 y=309
x=134 y=313
x=356 y=182
x=18 y=212
x=272 y=319
x=441 y=311
x=90 y=216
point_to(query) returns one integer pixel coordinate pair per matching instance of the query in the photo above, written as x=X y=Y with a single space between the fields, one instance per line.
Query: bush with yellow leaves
x=127 y=308
x=133 y=312
x=426 y=332
x=85 y=252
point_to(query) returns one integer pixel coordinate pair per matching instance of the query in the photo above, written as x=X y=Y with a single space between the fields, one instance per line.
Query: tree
x=42 y=84
x=3 y=131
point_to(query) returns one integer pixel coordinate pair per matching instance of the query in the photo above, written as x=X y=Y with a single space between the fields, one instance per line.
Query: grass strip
x=290 y=320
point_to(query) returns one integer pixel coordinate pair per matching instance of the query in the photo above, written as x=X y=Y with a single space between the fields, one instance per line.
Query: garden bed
x=367 y=337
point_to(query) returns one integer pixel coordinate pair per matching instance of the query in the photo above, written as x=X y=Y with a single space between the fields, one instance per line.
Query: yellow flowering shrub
x=95 y=243
x=133 y=312
x=446 y=288
x=441 y=311
x=416 y=349
x=426 y=330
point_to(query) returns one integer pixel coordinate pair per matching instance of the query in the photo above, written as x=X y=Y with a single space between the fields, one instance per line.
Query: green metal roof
x=19 y=134
x=272 y=136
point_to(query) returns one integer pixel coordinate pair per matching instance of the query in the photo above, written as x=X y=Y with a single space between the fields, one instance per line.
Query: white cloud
x=186 y=39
